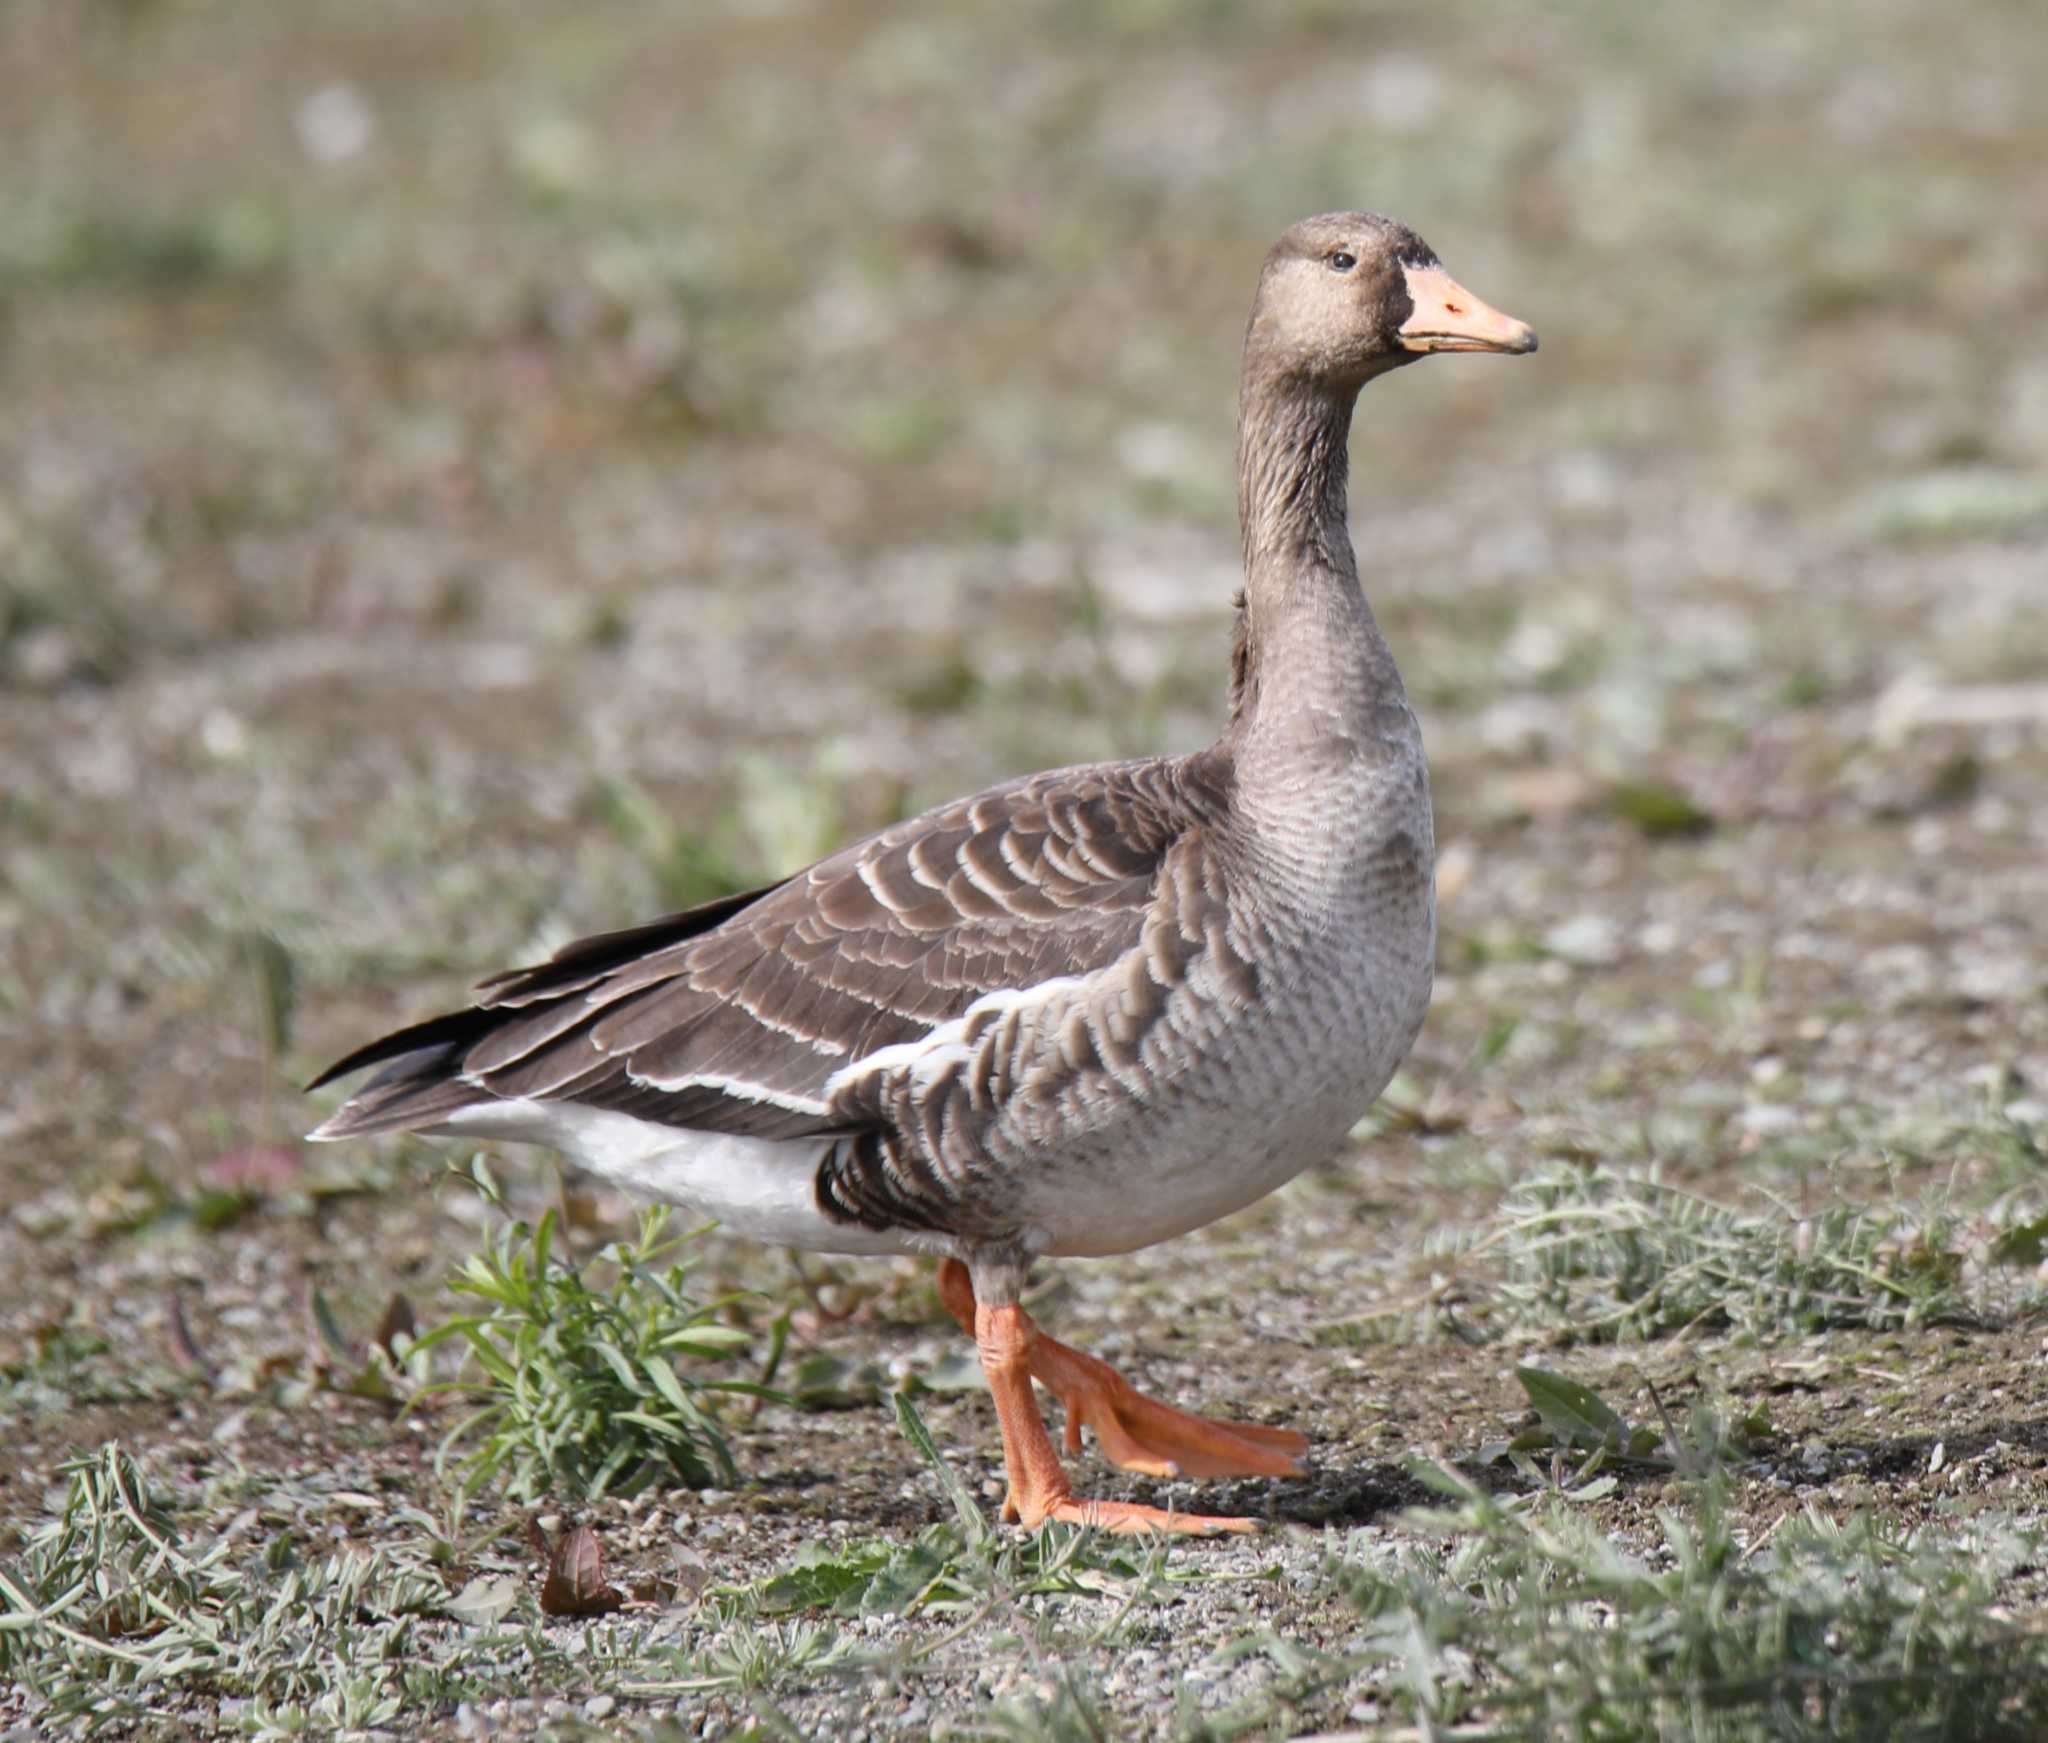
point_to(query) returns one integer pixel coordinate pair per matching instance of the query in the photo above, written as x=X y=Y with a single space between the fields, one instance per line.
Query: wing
x=732 y=1018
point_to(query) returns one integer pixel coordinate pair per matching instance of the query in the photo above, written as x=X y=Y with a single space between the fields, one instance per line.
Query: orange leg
x=1038 y=1484
x=1136 y=1432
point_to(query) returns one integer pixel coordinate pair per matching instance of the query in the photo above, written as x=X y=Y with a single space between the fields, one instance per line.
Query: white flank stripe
x=775 y=1098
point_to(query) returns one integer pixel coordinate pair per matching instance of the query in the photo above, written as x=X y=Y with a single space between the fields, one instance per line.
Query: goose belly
x=1234 y=1100
x=1239 y=1122
x=1257 y=1092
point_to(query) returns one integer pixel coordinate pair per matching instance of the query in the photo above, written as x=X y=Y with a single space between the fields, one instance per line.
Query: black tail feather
x=399 y=1101
x=453 y=1035
x=423 y=1063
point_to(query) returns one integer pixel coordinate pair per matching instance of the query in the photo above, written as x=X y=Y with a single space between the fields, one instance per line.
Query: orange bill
x=1448 y=317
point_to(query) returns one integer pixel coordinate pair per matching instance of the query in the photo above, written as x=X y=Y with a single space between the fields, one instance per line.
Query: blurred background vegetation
x=476 y=473
x=470 y=474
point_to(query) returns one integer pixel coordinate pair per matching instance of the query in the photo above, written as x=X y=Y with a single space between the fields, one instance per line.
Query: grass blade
x=957 y=1492
x=1576 y=1414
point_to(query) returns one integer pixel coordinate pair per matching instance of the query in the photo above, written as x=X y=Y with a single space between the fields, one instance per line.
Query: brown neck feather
x=1293 y=466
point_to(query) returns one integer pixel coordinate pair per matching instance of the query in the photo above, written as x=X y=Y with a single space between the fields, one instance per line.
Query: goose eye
x=1342 y=262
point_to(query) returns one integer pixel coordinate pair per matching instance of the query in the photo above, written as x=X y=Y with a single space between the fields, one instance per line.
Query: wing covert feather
x=737 y=1028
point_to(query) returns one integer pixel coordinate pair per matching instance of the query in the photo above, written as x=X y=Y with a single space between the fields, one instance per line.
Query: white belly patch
x=764 y=1188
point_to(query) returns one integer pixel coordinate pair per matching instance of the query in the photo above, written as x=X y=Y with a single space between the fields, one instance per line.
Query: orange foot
x=1128 y=1518
x=1136 y=1432
x=1141 y=1434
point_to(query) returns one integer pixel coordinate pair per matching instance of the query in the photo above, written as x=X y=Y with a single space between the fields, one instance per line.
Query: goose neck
x=1293 y=467
x=1310 y=657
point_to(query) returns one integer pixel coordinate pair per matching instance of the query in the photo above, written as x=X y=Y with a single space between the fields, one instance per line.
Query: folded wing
x=732 y=1017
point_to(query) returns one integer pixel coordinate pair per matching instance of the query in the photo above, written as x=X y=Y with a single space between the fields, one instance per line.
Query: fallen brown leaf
x=575 y=1583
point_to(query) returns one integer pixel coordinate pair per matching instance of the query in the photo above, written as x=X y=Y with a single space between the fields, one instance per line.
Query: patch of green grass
x=1599 y=1255
x=1573 y=1419
x=1504 y=1618
x=63 y=1366
x=1528 y=1620
x=687 y=867
x=753 y=1661
x=136 y=250
x=108 y=1610
x=577 y=1365
x=979 y=1583
x=1957 y=502
x=964 y=1564
x=898 y=429
x=146 y=1611
x=1489 y=1617
x=1577 y=1254
x=1659 y=809
x=1072 y=1711
x=945 y=1570
x=780 y=819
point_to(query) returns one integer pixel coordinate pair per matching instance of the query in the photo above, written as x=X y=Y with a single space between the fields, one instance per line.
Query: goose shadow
x=1360 y=1494
x=1371 y=1493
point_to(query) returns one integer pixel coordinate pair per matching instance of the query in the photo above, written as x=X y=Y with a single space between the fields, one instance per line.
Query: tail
x=422 y=1081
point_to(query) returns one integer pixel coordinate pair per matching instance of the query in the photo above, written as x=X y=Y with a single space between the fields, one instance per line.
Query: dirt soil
x=468 y=482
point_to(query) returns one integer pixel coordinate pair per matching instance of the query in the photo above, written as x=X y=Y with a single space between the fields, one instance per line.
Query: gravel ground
x=416 y=551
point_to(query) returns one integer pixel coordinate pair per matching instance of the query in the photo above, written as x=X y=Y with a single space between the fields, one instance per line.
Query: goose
x=1076 y=1014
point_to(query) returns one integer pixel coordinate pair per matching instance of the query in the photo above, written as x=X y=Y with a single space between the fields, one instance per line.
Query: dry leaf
x=575 y=1583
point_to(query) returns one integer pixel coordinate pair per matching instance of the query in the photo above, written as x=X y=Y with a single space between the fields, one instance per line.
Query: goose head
x=1350 y=295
